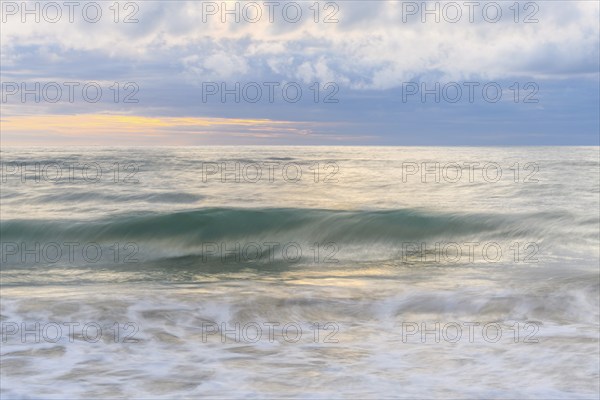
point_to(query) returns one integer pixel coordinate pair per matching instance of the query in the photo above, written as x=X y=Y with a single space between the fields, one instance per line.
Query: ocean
x=300 y=272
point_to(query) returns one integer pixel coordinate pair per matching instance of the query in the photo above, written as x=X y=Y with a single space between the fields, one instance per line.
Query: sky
x=300 y=73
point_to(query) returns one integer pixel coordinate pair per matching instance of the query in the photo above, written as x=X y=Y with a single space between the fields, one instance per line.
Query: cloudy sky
x=281 y=72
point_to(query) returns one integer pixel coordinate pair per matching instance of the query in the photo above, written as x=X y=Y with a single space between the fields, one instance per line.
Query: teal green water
x=367 y=242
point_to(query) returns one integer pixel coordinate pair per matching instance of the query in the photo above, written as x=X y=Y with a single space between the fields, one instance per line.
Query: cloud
x=369 y=53
x=371 y=47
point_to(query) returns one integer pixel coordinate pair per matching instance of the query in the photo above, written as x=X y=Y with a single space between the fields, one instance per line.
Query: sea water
x=322 y=272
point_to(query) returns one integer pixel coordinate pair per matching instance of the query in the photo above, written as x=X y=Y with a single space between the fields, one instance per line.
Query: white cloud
x=370 y=46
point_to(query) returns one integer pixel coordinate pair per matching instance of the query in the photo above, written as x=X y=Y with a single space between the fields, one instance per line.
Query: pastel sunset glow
x=104 y=129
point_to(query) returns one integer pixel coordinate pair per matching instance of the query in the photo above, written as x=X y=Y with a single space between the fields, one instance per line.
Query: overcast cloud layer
x=372 y=55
